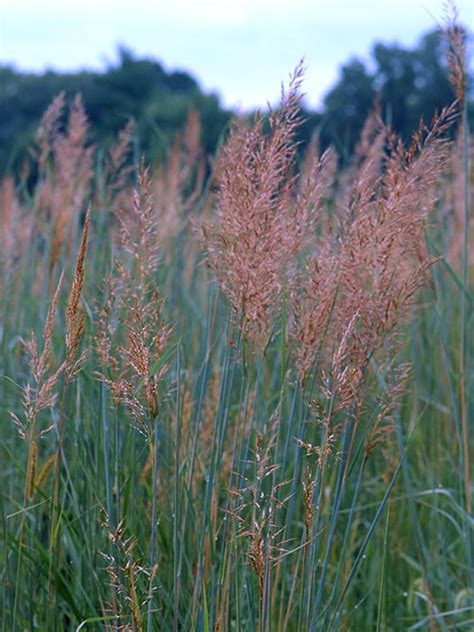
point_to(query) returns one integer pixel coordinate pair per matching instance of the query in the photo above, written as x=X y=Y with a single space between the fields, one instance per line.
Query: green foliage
x=392 y=545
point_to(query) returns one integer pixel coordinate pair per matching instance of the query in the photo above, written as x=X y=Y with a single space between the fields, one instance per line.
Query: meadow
x=235 y=393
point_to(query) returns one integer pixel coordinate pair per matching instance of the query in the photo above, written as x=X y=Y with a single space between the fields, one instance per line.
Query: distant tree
x=409 y=83
x=131 y=88
x=412 y=84
x=346 y=107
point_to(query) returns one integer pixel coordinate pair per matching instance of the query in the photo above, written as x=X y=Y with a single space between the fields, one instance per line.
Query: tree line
x=408 y=83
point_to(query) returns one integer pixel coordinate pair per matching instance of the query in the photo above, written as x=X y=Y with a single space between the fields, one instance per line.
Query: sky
x=240 y=49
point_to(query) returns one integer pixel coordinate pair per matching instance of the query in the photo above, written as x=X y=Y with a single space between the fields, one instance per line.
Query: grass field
x=237 y=398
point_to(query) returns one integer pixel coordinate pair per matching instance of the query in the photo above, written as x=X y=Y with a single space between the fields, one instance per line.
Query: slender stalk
x=465 y=408
x=177 y=503
x=154 y=523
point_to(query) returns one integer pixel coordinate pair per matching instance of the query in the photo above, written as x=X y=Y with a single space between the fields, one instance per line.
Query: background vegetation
x=410 y=83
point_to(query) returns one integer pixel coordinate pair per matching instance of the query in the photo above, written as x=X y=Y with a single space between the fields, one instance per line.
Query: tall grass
x=232 y=398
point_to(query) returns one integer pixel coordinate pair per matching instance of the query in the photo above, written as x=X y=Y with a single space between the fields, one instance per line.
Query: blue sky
x=241 y=49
